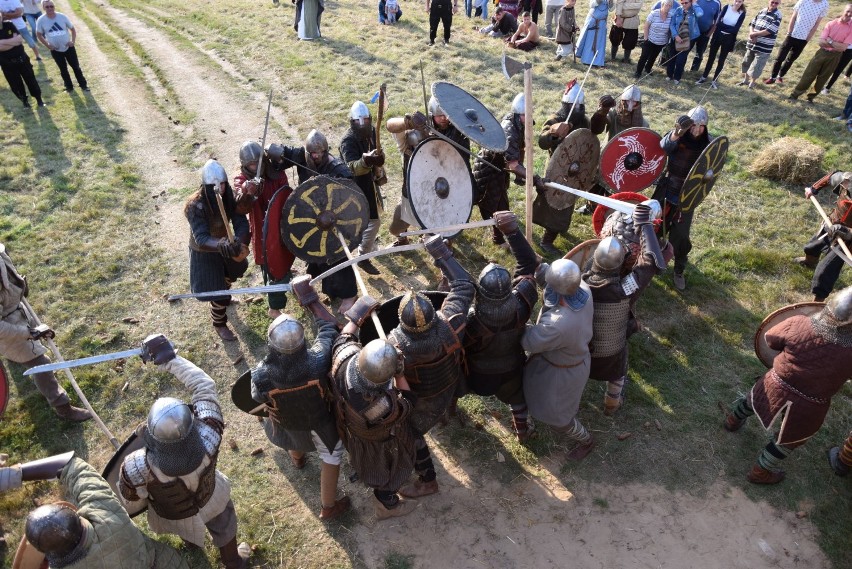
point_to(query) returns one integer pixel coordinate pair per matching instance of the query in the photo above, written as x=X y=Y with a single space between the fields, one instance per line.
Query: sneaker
x=839 y=118
x=69 y=89
x=668 y=78
x=743 y=82
x=751 y=85
x=86 y=89
x=41 y=103
x=770 y=81
x=824 y=92
x=779 y=79
x=585 y=209
x=701 y=81
x=714 y=85
x=446 y=42
x=679 y=282
x=810 y=100
x=557 y=58
x=431 y=42
x=39 y=58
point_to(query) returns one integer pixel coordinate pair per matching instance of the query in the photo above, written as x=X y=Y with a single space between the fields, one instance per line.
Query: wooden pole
x=528 y=143
x=376 y=322
x=828 y=224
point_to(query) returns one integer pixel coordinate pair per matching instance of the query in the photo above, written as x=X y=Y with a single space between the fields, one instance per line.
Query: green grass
x=76 y=216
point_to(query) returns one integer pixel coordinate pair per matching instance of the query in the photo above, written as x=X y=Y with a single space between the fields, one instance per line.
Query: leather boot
x=231 y=555
x=547 y=245
x=733 y=424
x=525 y=430
x=339 y=508
x=402 y=508
x=580 y=452
x=818 y=298
x=759 y=475
x=71 y=413
x=419 y=488
x=225 y=333
x=808 y=261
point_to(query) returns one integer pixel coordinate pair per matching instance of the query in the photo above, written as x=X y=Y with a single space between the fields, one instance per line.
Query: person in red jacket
x=814 y=362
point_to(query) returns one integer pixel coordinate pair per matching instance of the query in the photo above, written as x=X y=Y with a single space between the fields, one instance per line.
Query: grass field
x=81 y=220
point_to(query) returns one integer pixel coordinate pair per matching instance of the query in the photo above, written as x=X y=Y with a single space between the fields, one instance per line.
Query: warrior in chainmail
x=215 y=261
x=813 y=364
x=614 y=295
x=373 y=405
x=176 y=471
x=627 y=113
x=431 y=345
x=292 y=380
x=495 y=323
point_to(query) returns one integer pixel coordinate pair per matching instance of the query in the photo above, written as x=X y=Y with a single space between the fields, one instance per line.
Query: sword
x=449 y=228
x=67 y=364
x=259 y=176
x=623 y=207
x=285 y=287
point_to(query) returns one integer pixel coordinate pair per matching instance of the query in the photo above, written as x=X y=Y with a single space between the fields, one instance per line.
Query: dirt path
x=476 y=522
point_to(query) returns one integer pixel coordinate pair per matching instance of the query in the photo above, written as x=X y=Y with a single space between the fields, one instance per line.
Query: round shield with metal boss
x=703 y=174
x=574 y=164
x=241 y=396
x=440 y=188
x=765 y=354
x=313 y=213
x=633 y=160
x=583 y=253
x=470 y=116
x=112 y=470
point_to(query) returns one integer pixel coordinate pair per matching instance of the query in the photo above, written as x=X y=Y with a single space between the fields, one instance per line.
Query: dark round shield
x=113 y=469
x=4 y=388
x=703 y=174
x=573 y=164
x=633 y=160
x=766 y=354
x=602 y=212
x=315 y=210
x=389 y=314
x=279 y=259
x=440 y=190
x=241 y=396
x=582 y=254
x=470 y=116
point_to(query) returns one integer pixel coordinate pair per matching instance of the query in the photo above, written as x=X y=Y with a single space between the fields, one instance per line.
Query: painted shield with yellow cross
x=703 y=174
x=316 y=211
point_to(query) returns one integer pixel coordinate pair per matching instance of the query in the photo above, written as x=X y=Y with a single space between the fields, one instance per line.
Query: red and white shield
x=633 y=160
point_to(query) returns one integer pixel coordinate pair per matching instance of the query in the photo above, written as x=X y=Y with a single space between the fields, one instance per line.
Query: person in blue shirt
x=707 y=25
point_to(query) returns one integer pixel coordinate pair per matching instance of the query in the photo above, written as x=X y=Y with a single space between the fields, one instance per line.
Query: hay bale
x=789 y=159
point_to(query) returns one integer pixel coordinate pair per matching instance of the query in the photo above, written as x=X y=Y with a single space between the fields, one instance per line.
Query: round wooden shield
x=703 y=174
x=389 y=315
x=241 y=396
x=602 y=212
x=279 y=259
x=582 y=254
x=573 y=164
x=113 y=469
x=470 y=116
x=313 y=212
x=766 y=354
x=4 y=388
x=633 y=160
x=440 y=189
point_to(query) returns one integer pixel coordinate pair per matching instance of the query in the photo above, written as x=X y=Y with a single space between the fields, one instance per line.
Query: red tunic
x=804 y=376
x=256 y=208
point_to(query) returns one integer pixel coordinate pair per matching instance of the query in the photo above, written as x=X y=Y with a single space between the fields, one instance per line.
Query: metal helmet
x=377 y=361
x=434 y=107
x=212 y=173
x=574 y=93
x=316 y=142
x=416 y=313
x=563 y=276
x=54 y=529
x=360 y=119
x=609 y=254
x=275 y=156
x=359 y=111
x=656 y=209
x=519 y=104
x=631 y=93
x=840 y=306
x=495 y=282
x=250 y=151
x=285 y=334
x=169 y=420
x=698 y=115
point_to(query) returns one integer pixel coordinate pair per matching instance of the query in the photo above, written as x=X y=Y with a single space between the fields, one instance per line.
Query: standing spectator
x=844 y=59
x=807 y=15
x=625 y=27
x=592 y=44
x=16 y=65
x=13 y=11
x=657 y=36
x=707 y=25
x=724 y=39
x=551 y=12
x=526 y=36
x=56 y=32
x=835 y=38
x=481 y=9
x=762 y=32
x=533 y=7
x=566 y=27
x=440 y=11
x=685 y=32
x=32 y=12
x=308 y=26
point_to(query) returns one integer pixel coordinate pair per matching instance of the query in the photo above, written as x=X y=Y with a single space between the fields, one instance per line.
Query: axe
x=512 y=67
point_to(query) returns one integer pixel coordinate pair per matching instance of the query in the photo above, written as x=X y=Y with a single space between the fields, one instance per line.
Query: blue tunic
x=593 y=35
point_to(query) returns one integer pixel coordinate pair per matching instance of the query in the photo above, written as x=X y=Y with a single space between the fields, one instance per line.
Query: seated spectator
x=389 y=11
x=526 y=36
x=502 y=24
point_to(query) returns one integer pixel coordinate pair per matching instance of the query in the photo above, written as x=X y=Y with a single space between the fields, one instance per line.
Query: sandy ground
x=531 y=522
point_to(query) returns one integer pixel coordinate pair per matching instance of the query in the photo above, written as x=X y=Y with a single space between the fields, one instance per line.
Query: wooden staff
x=376 y=322
x=828 y=224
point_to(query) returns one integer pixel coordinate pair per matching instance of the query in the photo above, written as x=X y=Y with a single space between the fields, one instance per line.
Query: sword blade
x=84 y=361
x=248 y=290
x=448 y=228
x=623 y=207
x=365 y=256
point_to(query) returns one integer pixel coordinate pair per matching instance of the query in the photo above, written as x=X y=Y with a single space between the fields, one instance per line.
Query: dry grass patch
x=789 y=159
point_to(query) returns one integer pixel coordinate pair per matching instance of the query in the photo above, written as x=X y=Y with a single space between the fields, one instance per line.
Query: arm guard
x=523 y=252
x=199 y=383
